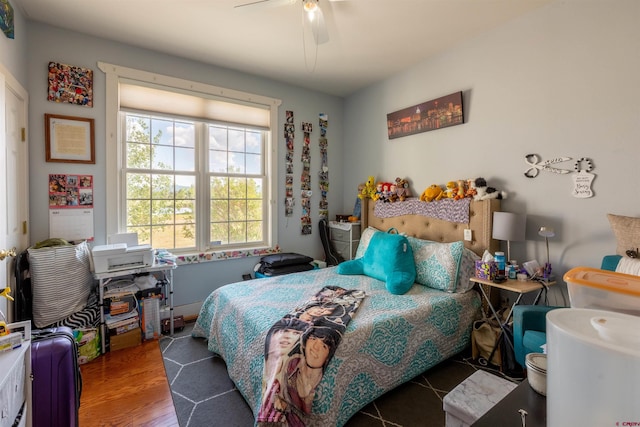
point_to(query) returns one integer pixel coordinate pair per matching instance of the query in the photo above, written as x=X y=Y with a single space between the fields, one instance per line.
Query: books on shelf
x=113 y=321
x=124 y=326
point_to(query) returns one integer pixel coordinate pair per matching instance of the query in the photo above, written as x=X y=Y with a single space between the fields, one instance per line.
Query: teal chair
x=529 y=330
x=530 y=322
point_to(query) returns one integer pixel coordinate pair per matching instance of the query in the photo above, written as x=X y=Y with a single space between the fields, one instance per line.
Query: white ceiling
x=369 y=39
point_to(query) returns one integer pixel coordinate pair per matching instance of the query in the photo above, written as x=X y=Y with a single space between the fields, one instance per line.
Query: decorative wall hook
x=535 y=165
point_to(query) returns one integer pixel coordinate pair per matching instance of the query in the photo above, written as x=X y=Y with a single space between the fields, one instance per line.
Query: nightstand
x=512 y=285
x=345 y=237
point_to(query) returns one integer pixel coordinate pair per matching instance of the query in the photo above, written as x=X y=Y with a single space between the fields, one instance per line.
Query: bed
x=390 y=340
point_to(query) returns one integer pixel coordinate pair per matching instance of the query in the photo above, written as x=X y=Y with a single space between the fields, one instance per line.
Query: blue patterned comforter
x=391 y=339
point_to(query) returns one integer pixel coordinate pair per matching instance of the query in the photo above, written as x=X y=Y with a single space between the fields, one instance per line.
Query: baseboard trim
x=188 y=311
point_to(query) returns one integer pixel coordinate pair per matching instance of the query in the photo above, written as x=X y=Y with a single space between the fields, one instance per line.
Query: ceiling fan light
x=310 y=6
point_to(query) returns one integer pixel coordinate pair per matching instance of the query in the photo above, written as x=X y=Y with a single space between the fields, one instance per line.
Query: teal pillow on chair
x=388 y=258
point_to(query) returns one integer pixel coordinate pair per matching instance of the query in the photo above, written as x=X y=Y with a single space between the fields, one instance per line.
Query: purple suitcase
x=56 y=378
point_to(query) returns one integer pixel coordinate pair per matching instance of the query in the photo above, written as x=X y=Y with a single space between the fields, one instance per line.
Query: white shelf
x=105 y=278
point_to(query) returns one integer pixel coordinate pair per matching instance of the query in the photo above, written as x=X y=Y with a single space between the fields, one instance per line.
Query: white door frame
x=14 y=204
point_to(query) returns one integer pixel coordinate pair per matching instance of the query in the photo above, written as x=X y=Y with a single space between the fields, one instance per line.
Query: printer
x=120 y=256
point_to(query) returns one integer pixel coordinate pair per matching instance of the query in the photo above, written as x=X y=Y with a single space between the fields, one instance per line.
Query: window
x=196 y=170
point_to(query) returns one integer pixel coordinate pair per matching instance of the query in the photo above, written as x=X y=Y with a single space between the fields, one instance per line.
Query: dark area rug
x=204 y=395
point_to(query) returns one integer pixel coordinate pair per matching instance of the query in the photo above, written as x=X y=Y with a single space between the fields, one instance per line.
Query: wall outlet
x=468 y=234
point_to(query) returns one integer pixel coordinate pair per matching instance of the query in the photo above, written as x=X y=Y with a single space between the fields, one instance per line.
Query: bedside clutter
x=282 y=263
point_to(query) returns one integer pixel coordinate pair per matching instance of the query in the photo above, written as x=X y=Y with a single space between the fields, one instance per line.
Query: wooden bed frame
x=437 y=230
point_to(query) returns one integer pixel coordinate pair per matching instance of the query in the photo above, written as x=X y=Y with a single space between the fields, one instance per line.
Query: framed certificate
x=69 y=139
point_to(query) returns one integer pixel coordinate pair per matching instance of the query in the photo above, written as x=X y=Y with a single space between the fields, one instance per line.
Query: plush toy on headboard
x=389 y=258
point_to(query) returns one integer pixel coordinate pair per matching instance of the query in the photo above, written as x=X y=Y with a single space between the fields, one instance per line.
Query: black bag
x=508 y=364
x=332 y=257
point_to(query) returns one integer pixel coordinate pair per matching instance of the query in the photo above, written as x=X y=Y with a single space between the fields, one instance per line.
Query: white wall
x=561 y=81
x=193 y=282
x=13 y=56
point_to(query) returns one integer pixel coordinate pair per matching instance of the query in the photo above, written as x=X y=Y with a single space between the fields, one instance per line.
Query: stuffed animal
x=451 y=190
x=484 y=192
x=377 y=193
x=392 y=195
x=471 y=189
x=402 y=189
x=368 y=189
x=460 y=192
x=431 y=193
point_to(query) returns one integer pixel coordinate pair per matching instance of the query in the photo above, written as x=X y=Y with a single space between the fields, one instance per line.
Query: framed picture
x=6 y=18
x=69 y=139
x=431 y=115
x=70 y=85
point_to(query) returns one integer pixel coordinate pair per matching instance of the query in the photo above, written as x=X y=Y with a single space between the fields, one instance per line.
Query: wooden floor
x=127 y=388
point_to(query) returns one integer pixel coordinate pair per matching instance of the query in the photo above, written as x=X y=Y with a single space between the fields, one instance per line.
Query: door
x=14 y=179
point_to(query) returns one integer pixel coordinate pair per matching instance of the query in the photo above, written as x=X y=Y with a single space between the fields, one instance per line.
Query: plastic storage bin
x=604 y=290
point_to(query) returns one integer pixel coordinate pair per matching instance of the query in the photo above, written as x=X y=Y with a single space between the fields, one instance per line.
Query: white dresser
x=345 y=237
x=15 y=385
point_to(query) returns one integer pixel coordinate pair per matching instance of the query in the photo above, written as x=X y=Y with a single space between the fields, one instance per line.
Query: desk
x=105 y=278
x=511 y=285
x=505 y=412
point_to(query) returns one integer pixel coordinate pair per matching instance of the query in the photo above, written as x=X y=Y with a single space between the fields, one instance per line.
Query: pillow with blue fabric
x=437 y=264
x=467 y=271
x=388 y=258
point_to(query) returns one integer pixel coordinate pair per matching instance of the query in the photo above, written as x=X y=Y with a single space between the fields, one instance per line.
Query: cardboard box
x=128 y=339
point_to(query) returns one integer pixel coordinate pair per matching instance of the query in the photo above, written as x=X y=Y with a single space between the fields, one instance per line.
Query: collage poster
x=70 y=191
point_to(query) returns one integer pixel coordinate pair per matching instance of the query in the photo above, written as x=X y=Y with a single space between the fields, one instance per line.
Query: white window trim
x=114 y=73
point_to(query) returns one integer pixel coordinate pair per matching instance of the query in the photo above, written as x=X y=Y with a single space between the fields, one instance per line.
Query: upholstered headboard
x=438 y=230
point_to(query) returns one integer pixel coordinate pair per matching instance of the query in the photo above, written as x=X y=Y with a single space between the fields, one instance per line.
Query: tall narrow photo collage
x=305 y=178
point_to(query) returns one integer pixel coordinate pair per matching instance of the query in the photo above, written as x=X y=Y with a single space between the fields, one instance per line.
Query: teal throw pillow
x=437 y=264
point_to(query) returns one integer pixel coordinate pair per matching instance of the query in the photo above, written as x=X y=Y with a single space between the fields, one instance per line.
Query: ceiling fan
x=313 y=15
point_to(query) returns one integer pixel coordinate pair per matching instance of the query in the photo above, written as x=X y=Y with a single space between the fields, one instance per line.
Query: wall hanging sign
x=583 y=178
x=431 y=115
x=535 y=165
x=70 y=85
x=69 y=139
x=6 y=18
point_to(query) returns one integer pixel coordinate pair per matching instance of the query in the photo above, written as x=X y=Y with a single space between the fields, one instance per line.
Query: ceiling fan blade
x=265 y=3
x=318 y=26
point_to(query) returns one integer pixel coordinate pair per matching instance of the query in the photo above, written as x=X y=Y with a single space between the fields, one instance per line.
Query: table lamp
x=508 y=226
x=547 y=232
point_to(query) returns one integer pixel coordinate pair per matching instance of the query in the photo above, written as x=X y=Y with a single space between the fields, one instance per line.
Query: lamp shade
x=546 y=232
x=509 y=226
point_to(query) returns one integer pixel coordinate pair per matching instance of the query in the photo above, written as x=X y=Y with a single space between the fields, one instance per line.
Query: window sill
x=208 y=256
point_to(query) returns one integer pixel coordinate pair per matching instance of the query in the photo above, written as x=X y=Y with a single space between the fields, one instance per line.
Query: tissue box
x=486 y=270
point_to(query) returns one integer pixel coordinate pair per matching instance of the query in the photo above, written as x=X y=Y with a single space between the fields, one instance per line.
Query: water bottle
x=500 y=262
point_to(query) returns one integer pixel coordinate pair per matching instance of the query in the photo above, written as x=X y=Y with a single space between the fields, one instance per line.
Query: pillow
x=627 y=232
x=284 y=259
x=389 y=258
x=365 y=237
x=467 y=271
x=61 y=281
x=437 y=264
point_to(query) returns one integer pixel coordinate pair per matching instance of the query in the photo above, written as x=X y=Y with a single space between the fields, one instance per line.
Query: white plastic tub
x=593 y=366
